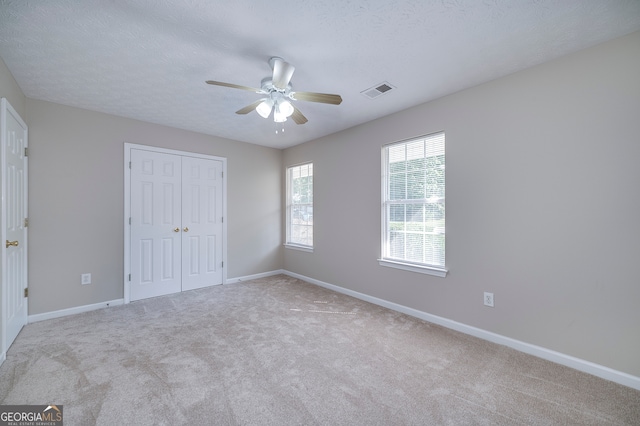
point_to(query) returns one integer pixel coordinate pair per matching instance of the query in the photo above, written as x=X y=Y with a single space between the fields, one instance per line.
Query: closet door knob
x=176 y=230
x=186 y=229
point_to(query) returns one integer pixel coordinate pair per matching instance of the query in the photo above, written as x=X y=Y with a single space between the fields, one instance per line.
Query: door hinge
x=26 y=292
x=129 y=277
x=129 y=164
x=129 y=221
x=222 y=173
x=222 y=219
x=26 y=151
x=26 y=222
x=223 y=264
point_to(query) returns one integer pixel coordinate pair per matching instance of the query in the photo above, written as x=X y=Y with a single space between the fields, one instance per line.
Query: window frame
x=289 y=205
x=385 y=258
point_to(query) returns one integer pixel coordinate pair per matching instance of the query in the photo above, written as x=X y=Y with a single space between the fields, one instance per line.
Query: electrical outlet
x=488 y=299
x=85 y=279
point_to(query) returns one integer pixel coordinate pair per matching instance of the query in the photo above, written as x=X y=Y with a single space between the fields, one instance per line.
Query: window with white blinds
x=300 y=206
x=413 y=234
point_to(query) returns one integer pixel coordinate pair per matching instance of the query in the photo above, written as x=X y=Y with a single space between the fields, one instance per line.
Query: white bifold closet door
x=176 y=223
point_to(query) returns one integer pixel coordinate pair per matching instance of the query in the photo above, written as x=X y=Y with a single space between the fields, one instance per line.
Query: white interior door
x=14 y=223
x=201 y=222
x=155 y=224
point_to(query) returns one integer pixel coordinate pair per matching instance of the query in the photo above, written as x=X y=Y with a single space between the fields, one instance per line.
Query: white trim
x=429 y=270
x=538 y=351
x=74 y=310
x=127 y=207
x=118 y=302
x=307 y=249
x=3 y=357
x=255 y=276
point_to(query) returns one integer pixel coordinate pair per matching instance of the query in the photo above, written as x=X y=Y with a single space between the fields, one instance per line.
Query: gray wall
x=9 y=89
x=76 y=180
x=543 y=206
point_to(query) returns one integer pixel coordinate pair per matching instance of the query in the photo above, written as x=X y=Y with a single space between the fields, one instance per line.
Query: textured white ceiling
x=149 y=59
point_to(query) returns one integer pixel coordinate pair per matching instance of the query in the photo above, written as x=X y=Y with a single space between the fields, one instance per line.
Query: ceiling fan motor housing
x=266 y=85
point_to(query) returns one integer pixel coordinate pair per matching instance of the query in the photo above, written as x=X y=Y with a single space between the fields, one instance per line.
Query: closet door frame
x=127 y=207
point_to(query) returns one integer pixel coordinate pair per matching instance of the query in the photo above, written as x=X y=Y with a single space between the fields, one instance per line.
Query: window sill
x=429 y=270
x=299 y=248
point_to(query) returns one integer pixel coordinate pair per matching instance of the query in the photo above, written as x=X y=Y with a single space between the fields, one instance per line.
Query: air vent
x=377 y=90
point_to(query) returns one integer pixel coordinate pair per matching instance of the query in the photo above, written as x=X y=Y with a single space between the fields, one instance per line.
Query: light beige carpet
x=279 y=351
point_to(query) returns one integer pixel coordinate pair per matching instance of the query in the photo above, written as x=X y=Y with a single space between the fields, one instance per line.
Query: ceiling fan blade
x=234 y=86
x=298 y=117
x=324 y=98
x=249 y=108
x=282 y=73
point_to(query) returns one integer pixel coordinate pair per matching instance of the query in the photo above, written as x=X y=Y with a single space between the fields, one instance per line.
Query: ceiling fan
x=278 y=93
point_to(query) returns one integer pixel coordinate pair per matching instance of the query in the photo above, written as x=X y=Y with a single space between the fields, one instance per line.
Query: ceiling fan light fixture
x=278 y=116
x=279 y=113
x=264 y=109
x=285 y=108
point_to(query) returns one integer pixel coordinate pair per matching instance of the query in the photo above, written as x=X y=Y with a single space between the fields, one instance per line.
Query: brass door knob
x=176 y=230
x=12 y=243
x=186 y=229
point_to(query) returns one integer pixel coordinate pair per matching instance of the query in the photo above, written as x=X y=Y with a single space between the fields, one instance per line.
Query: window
x=413 y=234
x=300 y=206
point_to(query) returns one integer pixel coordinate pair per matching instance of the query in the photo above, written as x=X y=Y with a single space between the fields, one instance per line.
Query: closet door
x=201 y=222
x=156 y=180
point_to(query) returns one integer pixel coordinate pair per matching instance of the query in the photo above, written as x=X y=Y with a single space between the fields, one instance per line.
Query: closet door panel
x=201 y=222
x=155 y=224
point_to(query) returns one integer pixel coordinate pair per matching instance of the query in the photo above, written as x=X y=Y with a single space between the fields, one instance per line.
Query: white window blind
x=414 y=202
x=300 y=205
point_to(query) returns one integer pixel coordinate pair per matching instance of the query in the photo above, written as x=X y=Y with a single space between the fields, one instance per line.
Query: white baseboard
x=538 y=351
x=255 y=276
x=86 y=308
x=74 y=310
